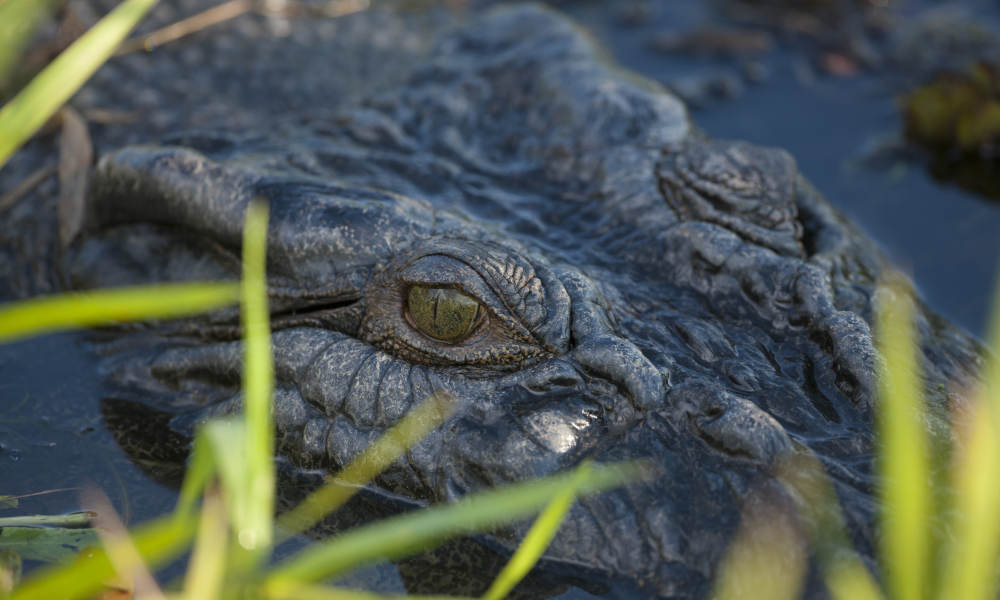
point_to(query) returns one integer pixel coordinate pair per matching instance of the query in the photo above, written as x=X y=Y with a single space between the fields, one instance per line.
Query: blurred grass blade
x=970 y=565
x=767 y=560
x=417 y=423
x=538 y=538
x=206 y=568
x=255 y=533
x=970 y=569
x=225 y=440
x=903 y=452
x=849 y=579
x=315 y=592
x=88 y=309
x=19 y=19
x=10 y=571
x=200 y=469
x=412 y=532
x=51 y=88
x=132 y=571
x=157 y=542
x=845 y=575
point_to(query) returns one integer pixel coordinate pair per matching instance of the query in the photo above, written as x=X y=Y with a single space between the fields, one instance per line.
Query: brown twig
x=105 y=116
x=207 y=18
x=26 y=186
x=232 y=9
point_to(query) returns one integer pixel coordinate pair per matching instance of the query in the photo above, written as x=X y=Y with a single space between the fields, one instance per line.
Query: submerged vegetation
x=956 y=116
x=958 y=112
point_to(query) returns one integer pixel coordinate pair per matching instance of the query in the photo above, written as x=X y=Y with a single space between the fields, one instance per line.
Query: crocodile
x=549 y=241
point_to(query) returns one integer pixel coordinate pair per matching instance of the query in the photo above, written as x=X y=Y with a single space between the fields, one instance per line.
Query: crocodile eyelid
x=405 y=300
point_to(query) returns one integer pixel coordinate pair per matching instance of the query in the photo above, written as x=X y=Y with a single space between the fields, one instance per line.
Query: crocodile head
x=548 y=241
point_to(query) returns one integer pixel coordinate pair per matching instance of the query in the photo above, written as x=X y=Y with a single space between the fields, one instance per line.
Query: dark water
x=52 y=435
x=51 y=431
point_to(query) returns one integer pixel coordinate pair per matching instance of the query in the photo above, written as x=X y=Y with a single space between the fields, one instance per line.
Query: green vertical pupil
x=442 y=313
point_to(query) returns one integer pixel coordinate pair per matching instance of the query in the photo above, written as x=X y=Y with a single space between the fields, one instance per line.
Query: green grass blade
x=104 y=307
x=803 y=476
x=51 y=88
x=258 y=386
x=405 y=534
x=767 y=560
x=970 y=570
x=905 y=492
x=848 y=579
x=312 y=592
x=206 y=568
x=200 y=469
x=538 y=538
x=158 y=541
x=417 y=423
x=19 y=19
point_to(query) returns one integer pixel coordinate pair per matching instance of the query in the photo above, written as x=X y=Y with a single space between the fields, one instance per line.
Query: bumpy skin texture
x=648 y=293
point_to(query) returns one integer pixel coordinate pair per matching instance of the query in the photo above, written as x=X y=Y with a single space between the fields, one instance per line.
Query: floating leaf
x=47 y=544
x=157 y=541
x=9 y=501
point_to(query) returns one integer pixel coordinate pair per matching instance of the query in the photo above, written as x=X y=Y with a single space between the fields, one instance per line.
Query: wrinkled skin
x=643 y=292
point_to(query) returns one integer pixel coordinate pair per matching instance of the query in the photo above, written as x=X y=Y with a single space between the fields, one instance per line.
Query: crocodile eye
x=444 y=314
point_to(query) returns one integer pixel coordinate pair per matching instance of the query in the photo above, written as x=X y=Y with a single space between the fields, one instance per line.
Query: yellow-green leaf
x=399 y=536
x=255 y=532
x=970 y=567
x=537 y=539
x=417 y=423
x=903 y=453
x=105 y=307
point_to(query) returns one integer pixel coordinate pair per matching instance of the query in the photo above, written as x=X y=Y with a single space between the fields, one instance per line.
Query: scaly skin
x=648 y=293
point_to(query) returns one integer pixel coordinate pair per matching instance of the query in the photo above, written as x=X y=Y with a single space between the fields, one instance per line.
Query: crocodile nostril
x=563 y=381
x=621 y=362
x=557 y=376
x=713 y=412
